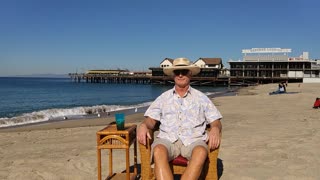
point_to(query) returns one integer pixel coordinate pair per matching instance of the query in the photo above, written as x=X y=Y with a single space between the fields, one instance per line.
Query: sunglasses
x=183 y=72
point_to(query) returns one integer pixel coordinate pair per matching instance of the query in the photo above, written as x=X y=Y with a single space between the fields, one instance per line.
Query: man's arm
x=215 y=134
x=143 y=130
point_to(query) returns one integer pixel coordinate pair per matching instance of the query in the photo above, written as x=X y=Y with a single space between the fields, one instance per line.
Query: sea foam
x=58 y=113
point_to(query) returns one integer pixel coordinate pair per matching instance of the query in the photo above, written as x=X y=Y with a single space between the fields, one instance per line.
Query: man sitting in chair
x=183 y=113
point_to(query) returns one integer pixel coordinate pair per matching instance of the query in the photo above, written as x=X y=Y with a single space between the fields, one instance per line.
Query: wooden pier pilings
x=129 y=79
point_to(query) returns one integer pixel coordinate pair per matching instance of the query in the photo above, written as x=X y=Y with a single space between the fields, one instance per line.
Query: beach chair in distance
x=178 y=165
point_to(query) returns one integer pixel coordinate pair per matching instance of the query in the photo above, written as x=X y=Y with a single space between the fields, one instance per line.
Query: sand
x=264 y=137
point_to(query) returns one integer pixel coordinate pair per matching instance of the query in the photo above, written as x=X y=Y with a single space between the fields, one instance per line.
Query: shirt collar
x=190 y=89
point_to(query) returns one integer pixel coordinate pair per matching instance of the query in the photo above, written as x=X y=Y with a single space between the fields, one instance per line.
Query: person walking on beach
x=183 y=113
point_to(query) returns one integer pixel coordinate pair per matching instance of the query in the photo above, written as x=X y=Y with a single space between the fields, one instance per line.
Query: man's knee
x=200 y=153
x=160 y=151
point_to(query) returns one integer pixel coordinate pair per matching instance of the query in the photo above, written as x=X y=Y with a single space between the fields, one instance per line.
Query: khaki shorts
x=177 y=148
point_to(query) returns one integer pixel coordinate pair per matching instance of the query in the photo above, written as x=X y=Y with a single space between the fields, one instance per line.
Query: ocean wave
x=53 y=114
x=209 y=93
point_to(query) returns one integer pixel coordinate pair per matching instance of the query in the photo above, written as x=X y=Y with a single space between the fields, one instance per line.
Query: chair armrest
x=145 y=156
x=212 y=170
x=213 y=159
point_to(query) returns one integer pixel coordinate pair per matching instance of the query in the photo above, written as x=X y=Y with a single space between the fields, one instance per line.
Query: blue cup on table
x=120 y=118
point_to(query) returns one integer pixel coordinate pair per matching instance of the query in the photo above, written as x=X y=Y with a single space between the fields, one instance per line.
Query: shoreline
x=88 y=120
x=93 y=119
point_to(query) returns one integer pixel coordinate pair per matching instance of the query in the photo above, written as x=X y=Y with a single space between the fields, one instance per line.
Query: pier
x=144 y=79
x=103 y=78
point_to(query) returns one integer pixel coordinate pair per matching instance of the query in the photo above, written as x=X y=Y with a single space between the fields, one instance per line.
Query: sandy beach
x=264 y=137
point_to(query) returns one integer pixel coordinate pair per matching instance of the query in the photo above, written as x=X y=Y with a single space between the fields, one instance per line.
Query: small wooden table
x=110 y=138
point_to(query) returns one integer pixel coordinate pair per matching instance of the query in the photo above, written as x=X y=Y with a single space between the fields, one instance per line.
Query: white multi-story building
x=274 y=65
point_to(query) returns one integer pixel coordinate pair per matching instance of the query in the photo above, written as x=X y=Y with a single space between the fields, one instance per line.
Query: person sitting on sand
x=183 y=113
x=284 y=85
x=281 y=89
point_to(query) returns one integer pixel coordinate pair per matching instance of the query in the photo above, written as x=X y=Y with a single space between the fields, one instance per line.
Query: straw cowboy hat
x=181 y=63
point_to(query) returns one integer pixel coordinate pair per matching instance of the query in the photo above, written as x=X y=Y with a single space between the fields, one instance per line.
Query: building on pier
x=107 y=72
x=210 y=67
x=210 y=72
x=271 y=65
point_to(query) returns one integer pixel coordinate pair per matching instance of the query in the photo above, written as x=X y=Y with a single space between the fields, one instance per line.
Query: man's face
x=182 y=77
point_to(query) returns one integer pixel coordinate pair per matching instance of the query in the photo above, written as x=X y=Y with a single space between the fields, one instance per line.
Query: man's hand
x=214 y=138
x=142 y=133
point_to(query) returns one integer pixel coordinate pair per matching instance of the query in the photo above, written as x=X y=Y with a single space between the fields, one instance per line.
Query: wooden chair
x=178 y=165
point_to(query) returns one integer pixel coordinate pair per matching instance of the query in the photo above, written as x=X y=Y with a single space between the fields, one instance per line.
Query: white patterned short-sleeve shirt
x=183 y=118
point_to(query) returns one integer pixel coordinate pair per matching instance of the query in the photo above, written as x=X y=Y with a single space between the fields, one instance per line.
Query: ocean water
x=31 y=100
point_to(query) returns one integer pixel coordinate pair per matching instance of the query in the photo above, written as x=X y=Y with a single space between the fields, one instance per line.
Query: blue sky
x=62 y=36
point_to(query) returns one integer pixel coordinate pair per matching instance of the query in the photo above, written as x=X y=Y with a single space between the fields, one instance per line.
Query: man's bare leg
x=161 y=164
x=193 y=171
